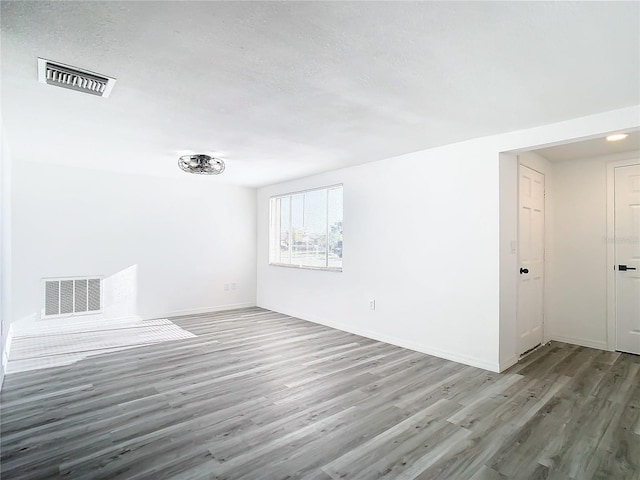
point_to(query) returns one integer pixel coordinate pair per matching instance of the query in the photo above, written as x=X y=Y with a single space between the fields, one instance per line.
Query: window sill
x=305 y=267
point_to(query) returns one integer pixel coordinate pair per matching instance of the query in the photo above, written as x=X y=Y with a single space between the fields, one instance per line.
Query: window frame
x=274 y=221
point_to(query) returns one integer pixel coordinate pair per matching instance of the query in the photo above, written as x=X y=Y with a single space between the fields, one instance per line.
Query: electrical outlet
x=372 y=304
x=233 y=286
x=226 y=287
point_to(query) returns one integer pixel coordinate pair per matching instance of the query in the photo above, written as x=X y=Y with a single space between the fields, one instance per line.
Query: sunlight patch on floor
x=47 y=346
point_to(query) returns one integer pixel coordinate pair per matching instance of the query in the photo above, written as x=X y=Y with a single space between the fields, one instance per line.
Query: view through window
x=306 y=229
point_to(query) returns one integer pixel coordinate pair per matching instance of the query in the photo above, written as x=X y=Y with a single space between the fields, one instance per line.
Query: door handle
x=524 y=270
x=624 y=268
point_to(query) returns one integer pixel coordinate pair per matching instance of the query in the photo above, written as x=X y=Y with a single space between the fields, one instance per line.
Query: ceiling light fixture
x=201 y=164
x=616 y=137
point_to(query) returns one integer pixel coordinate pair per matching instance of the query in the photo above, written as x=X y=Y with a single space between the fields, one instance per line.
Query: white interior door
x=531 y=247
x=627 y=257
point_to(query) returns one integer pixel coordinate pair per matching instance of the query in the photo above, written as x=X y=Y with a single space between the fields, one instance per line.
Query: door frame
x=611 y=248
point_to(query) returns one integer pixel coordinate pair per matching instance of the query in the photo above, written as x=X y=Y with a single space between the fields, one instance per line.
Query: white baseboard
x=196 y=311
x=509 y=362
x=429 y=350
x=583 y=342
x=436 y=352
x=105 y=316
x=148 y=316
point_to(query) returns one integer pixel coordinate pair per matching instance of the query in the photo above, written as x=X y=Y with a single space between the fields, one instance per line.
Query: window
x=306 y=229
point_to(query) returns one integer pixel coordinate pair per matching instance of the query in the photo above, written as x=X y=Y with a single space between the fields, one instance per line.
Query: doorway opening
x=579 y=244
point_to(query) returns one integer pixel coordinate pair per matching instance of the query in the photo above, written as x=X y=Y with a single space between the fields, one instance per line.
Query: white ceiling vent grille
x=66 y=76
x=72 y=296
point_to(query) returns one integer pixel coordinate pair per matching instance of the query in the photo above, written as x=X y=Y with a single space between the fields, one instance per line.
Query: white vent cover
x=66 y=76
x=72 y=296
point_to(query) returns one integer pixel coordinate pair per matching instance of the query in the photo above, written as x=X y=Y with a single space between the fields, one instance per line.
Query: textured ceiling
x=286 y=89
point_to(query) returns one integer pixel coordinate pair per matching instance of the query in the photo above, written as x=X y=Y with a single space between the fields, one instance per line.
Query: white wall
x=508 y=166
x=422 y=237
x=577 y=291
x=411 y=238
x=165 y=246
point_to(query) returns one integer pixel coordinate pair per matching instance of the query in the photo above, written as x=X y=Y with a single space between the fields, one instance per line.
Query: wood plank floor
x=260 y=395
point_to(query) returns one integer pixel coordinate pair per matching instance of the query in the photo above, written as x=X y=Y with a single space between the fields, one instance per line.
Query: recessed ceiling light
x=616 y=137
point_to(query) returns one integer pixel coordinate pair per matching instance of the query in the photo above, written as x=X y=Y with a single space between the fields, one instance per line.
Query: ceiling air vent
x=66 y=76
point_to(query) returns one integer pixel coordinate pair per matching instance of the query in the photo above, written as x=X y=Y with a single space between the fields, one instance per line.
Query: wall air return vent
x=66 y=76
x=72 y=296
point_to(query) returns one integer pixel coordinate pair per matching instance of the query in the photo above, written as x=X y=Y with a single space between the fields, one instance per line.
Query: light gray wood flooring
x=260 y=395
